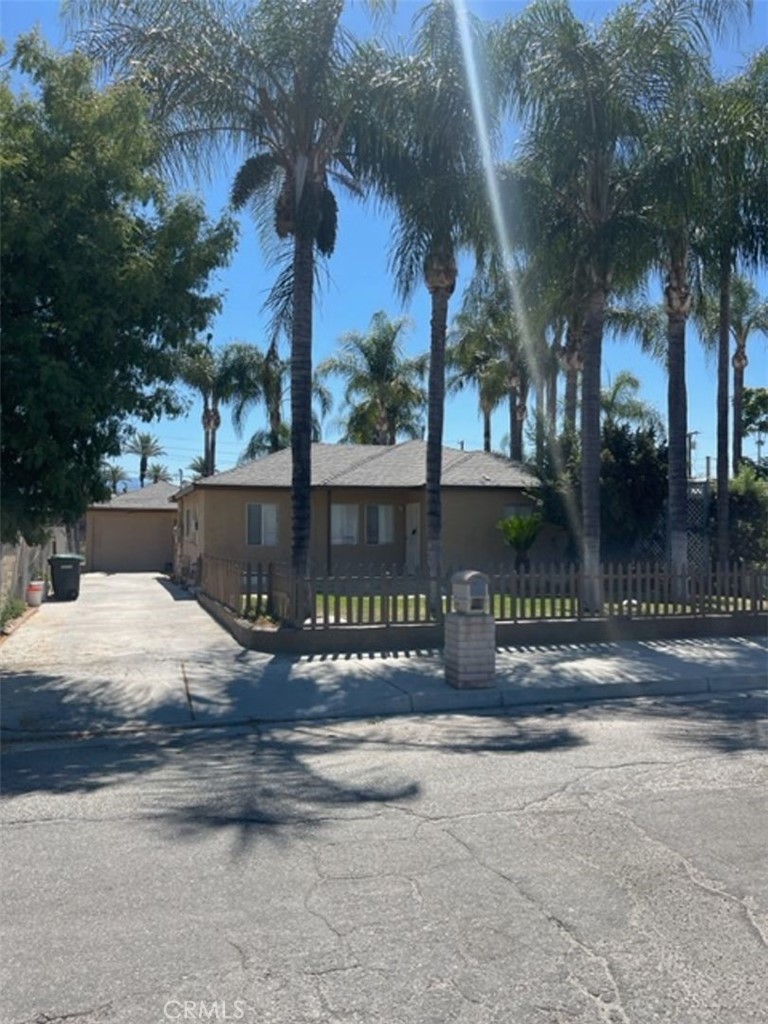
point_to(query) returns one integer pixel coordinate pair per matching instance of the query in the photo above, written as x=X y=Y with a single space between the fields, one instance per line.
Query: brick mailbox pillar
x=470 y=633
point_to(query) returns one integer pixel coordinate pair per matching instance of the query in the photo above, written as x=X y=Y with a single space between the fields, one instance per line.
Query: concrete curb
x=448 y=701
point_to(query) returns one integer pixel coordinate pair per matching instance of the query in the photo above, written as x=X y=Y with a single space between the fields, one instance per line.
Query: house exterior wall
x=221 y=517
x=470 y=537
x=129 y=541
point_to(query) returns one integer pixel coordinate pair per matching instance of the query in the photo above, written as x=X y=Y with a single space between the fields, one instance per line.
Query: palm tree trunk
x=552 y=401
x=215 y=424
x=512 y=402
x=722 y=410
x=142 y=470
x=573 y=357
x=438 y=328
x=206 y=419
x=301 y=411
x=739 y=363
x=486 y=430
x=522 y=404
x=540 y=388
x=591 y=596
x=678 y=304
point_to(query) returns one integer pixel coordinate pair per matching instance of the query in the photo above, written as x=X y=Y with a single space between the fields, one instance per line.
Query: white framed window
x=344 y=524
x=379 y=524
x=261 y=525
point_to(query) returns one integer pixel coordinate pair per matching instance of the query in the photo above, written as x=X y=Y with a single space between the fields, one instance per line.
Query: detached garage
x=133 y=532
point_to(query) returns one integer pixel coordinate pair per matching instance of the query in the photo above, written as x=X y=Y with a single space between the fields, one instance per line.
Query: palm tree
x=489 y=354
x=278 y=82
x=748 y=315
x=197 y=467
x=114 y=475
x=736 y=229
x=620 y=404
x=206 y=372
x=147 y=447
x=257 y=377
x=383 y=389
x=470 y=363
x=429 y=171
x=588 y=96
x=158 y=473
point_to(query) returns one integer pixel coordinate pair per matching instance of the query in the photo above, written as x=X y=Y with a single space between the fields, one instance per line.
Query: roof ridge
x=364 y=458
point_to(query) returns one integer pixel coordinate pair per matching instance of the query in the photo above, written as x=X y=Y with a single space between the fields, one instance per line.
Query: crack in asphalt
x=614 y=1008
x=699 y=879
x=52 y=1018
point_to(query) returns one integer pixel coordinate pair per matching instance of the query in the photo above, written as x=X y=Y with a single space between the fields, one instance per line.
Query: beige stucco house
x=368 y=509
x=134 y=532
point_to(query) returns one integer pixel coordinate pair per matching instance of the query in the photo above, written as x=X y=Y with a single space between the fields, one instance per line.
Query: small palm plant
x=520 y=532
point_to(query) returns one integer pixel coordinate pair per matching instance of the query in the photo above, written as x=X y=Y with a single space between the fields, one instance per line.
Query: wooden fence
x=540 y=593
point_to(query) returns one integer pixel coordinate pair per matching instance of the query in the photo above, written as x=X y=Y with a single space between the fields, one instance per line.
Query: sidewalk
x=133 y=652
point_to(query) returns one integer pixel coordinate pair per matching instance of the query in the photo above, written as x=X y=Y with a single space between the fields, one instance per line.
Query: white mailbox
x=470 y=593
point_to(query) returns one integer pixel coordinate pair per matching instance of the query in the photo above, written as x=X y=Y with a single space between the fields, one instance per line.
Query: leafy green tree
x=147 y=447
x=755 y=411
x=633 y=489
x=748 y=497
x=102 y=280
x=383 y=390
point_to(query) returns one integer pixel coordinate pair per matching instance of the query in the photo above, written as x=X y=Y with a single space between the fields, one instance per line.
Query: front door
x=413 y=538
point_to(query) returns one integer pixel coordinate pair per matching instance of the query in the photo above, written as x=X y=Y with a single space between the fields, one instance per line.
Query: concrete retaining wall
x=364 y=639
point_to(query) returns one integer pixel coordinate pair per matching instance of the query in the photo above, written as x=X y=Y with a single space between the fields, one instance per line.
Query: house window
x=379 y=524
x=344 y=524
x=261 y=525
x=190 y=522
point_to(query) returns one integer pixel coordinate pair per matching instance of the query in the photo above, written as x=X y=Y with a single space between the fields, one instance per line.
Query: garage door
x=130 y=541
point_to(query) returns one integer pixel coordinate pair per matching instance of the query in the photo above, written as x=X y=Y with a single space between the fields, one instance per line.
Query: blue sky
x=359 y=283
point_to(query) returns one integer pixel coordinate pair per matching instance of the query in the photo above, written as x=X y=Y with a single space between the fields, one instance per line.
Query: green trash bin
x=65 y=576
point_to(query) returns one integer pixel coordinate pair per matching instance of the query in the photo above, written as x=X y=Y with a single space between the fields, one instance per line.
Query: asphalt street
x=589 y=865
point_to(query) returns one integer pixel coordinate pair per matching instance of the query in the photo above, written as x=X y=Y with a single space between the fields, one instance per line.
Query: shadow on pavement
x=176 y=592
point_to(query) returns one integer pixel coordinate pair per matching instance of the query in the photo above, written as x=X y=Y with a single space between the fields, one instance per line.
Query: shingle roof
x=365 y=465
x=152 y=497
